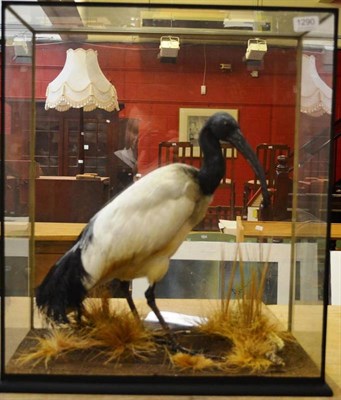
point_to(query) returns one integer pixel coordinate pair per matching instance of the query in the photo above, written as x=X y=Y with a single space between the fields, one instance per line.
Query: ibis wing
x=143 y=220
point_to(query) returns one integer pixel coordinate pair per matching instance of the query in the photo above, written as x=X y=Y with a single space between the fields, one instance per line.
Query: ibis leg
x=126 y=289
x=172 y=342
x=150 y=296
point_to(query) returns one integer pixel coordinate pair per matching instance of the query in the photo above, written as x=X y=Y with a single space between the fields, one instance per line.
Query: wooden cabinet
x=17 y=178
x=59 y=196
x=57 y=139
x=58 y=142
x=68 y=199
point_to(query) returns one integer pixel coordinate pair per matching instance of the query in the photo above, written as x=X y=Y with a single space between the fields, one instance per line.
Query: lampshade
x=81 y=84
x=316 y=96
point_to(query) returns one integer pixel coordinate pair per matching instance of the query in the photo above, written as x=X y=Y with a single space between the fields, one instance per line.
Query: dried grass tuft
x=255 y=339
x=57 y=342
x=113 y=333
x=195 y=362
x=119 y=333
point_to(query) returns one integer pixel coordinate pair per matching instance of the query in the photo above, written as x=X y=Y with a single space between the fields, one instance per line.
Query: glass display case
x=100 y=100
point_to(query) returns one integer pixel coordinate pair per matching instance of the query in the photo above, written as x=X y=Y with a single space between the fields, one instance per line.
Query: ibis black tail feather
x=63 y=288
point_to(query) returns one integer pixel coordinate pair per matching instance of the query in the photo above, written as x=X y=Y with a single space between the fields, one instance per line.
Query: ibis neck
x=213 y=167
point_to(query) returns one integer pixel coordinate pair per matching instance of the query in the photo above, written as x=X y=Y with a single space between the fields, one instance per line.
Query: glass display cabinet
x=92 y=95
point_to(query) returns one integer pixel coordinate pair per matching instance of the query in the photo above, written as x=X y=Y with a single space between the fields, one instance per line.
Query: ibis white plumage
x=138 y=231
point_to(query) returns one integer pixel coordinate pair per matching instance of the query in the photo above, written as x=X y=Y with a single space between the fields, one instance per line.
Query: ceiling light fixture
x=256 y=49
x=169 y=49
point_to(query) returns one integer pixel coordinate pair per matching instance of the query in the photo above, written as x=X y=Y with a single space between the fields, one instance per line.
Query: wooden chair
x=267 y=154
x=173 y=152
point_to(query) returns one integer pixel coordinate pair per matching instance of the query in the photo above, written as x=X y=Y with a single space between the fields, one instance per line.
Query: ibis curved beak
x=238 y=140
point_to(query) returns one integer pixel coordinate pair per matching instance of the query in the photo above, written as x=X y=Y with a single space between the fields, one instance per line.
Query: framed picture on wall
x=191 y=120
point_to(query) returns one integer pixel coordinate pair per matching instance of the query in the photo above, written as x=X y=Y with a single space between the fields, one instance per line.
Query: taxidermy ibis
x=138 y=231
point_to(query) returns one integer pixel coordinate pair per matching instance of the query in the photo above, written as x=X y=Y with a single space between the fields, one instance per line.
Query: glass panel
x=272 y=70
x=90 y=139
x=19 y=173
x=47 y=147
x=102 y=144
x=313 y=172
x=73 y=138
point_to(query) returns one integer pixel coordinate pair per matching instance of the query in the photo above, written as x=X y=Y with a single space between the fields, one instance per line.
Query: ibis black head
x=225 y=128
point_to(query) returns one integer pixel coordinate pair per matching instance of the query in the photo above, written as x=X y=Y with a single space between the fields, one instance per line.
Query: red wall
x=153 y=92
